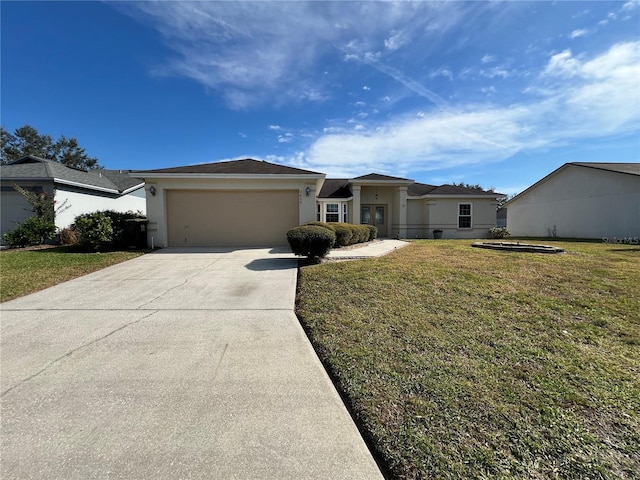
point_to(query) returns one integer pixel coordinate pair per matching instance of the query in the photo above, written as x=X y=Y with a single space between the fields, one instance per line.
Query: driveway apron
x=178 y=364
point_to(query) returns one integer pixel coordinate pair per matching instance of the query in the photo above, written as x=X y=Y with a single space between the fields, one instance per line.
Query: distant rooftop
x=36 y=168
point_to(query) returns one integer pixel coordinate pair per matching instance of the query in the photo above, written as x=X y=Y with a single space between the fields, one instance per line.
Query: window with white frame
x=332 y=212
x=464 y=215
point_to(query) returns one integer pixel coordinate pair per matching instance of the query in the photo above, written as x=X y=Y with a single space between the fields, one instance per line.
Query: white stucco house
x=253 y=203
x=84 y=191
x=580 y=200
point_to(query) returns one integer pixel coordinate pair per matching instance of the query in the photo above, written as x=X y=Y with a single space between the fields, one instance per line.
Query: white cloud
x=488 y=58
x=578 y=98
x=286 y=138
x=274 y=127
x=395 y=41
x=501 y=72
x=578 y=33
x=442 y=72
x=562 y=64
x=633 y=4
x=255 y=53
x=367 y=88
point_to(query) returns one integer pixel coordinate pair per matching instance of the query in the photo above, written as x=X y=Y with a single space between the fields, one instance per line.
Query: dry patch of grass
x=26 y=271
x=469 y=363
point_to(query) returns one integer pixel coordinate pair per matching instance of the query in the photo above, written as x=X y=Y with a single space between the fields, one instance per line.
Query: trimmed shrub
x=349 y=233
x=94 y=230
x=498 y=232
x=344 y=234
x=312 y=241
x=33 y=231
x=373 y=232
x=68 y=237
x=361 y=232
x=320 y=224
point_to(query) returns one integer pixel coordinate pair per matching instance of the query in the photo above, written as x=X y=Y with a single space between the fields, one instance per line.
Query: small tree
x=42 y=203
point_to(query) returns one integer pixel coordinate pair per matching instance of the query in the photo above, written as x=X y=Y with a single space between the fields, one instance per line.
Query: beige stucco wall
x=578 y=202
x=156 y=211
x=417 y=218
x=443 y=215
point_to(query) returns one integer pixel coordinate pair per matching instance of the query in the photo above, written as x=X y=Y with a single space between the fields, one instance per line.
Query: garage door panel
x=231 y=218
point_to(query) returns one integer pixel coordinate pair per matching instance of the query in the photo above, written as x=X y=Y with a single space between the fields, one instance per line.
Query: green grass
x=460 y=362
x=27 y=271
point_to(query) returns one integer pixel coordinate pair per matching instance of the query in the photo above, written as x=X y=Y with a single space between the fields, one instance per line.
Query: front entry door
x=375 y=215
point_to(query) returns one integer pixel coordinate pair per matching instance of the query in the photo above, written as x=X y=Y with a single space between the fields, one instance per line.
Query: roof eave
x=254 y=176
x=327 y=199
x=85 y=186
x=381 y=183
x=456 y=195
x=132 y=189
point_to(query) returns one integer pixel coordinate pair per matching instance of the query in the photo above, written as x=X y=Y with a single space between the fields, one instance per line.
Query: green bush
x=349 y=233
x=361 y=233
x=119 y=225
x=344 y=234
x=33 y=231
x=94 y=230
x=498 y=232
x=312 y=241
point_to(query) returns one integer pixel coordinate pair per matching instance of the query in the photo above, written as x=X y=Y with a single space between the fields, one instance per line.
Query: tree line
x=27 y=140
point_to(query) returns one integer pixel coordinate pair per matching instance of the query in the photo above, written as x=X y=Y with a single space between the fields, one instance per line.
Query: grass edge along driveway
x=24 y=271
x=460 y=362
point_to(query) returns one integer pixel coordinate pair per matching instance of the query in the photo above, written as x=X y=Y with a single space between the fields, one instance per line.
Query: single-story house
x=84 y=191
x=253 y=203
x=580 y=200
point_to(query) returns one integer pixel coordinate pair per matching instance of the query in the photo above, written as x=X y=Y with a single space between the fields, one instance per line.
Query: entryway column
x=402 y=221
x=355 y=215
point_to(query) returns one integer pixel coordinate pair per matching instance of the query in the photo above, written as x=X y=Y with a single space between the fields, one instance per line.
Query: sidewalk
x=373 y=249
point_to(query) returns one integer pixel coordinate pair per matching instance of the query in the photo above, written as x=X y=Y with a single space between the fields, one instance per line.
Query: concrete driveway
x=175 y=365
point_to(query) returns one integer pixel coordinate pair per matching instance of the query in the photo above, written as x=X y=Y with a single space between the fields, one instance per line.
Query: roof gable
x=621 y=168
x=376 y=177
x=629 y=168
x=335 y=188
x=247 y=166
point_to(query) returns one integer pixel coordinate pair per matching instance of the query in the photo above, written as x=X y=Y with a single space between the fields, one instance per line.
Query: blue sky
x=495 y=93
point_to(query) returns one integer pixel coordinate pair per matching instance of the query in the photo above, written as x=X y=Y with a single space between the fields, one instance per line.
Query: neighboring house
x=580 y=200
x=252 y=203
x=84 y=191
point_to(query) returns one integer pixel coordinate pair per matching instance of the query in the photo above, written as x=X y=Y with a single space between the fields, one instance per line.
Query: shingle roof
x=335 y=188
x=419 y=189
x=459 y=190
x=385 y=178
x=35 y=168
x=631 y=168
x=247 y=166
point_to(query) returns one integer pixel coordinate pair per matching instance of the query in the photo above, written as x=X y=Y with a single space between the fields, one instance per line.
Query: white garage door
x=203 y=218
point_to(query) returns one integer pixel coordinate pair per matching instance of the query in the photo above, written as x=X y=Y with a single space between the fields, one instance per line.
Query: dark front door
x=375 y=215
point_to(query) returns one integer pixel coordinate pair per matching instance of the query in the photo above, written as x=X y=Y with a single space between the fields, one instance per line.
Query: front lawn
x=26 y=271
x=460 y=362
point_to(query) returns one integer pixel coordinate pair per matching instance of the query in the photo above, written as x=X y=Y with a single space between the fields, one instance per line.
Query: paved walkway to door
x=177 y=364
